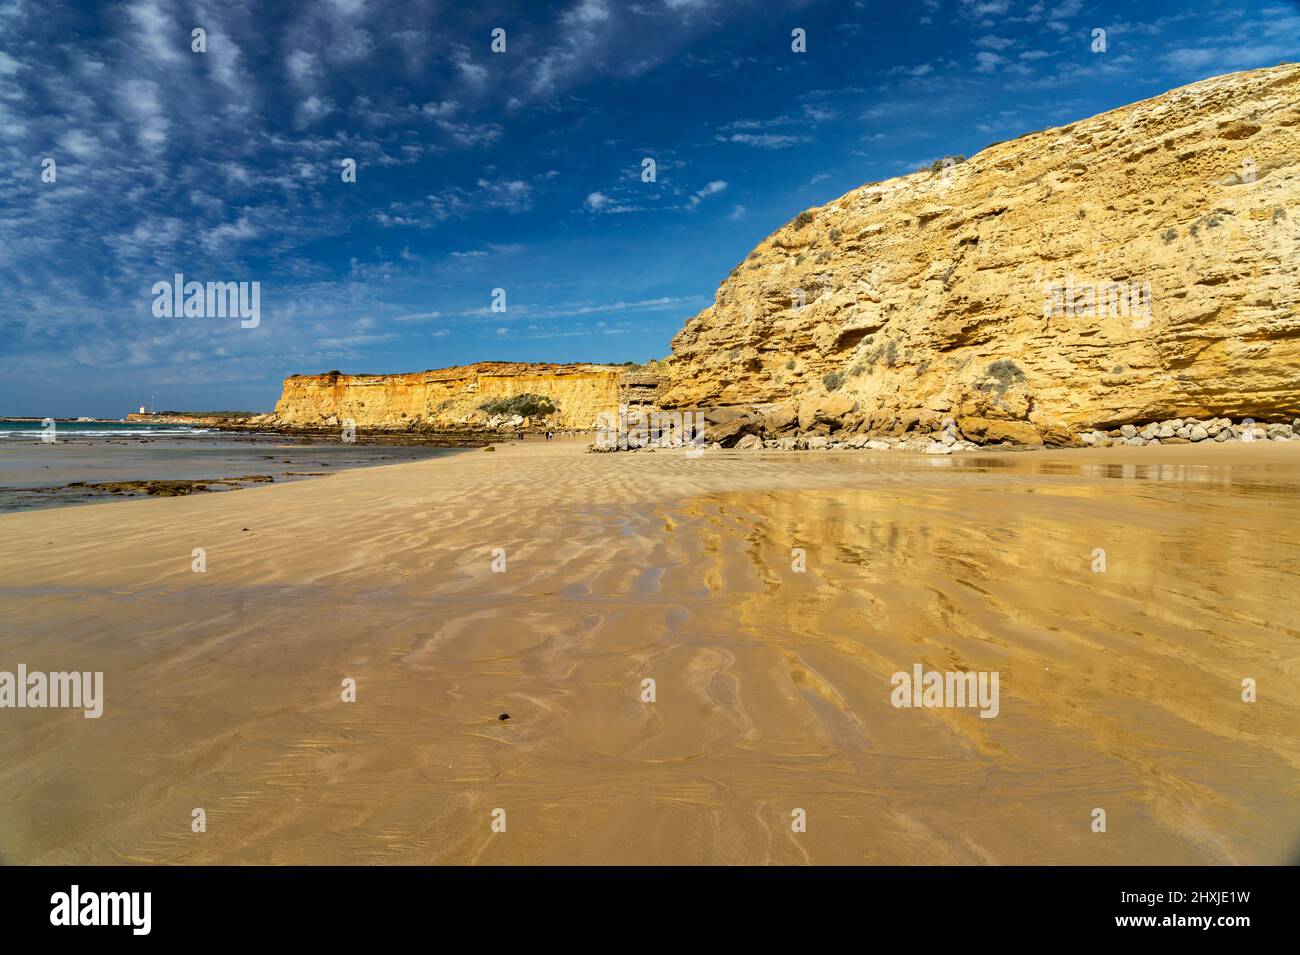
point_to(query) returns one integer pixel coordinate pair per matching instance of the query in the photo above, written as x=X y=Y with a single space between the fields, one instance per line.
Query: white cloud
x=985 y=8
x=158 y=33
x=142 y=102
x=304 y=69
x=819 y=114
x=586 y=13
x=512 y=195
x=81 y=144
x=312 y=109
x=1190 y=59
x=764 y=140
x=225 y=232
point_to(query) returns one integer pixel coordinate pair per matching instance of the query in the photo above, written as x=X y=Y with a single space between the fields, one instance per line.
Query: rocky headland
x=1128 y=278
x=482 y=397
x=1125 y=270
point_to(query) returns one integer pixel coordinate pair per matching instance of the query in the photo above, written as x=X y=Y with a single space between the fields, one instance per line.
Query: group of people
x=549 y=435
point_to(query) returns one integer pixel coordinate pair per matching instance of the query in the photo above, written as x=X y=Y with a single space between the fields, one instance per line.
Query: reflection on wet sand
x=1119 y=690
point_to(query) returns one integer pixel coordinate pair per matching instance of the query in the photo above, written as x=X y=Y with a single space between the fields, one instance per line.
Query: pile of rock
x=945 y=442
x=1190 y=431
x=831 y=423
x=828 y=425
x=504 y=422
x=837 y=422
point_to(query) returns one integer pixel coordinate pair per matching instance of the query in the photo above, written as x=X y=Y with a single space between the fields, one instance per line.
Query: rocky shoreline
x=166 y=488
x=821 y=427
x=830 y=423
x=1191 y=431
x=413 y=435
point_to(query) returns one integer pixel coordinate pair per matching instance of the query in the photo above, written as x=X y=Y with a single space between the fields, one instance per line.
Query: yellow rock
x=1136 y=266
x=451 y=398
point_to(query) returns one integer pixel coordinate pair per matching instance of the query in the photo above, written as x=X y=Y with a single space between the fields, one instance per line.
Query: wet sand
x=37 y=475
x=1119 y=690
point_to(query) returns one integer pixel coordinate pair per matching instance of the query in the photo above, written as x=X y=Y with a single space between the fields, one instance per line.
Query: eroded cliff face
x=1136 y=266
x=450 y=399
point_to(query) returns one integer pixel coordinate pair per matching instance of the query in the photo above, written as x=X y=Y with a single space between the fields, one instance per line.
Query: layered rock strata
x=453 y=399
x=1135 y=267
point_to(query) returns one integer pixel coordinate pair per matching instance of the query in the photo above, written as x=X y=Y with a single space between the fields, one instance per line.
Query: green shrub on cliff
x=525 y=405
x=946 y=162
x=1004 y=373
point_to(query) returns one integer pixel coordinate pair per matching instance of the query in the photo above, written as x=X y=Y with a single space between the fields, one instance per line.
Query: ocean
x=85 y=455
x=32 y=430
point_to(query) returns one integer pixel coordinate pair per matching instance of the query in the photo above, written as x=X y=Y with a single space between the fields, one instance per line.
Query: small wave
x=34 y=434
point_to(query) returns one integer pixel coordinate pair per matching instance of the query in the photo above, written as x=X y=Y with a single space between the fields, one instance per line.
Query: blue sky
x=519 y=170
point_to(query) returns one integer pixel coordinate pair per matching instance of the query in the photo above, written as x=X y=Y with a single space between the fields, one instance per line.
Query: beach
x=546 y=584
x=96 y=462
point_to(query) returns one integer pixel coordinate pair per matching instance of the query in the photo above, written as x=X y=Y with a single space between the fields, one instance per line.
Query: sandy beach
x=1120 y=690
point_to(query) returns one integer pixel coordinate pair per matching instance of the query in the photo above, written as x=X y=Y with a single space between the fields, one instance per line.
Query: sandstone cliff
x=450 y=399
x=1136 y=266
